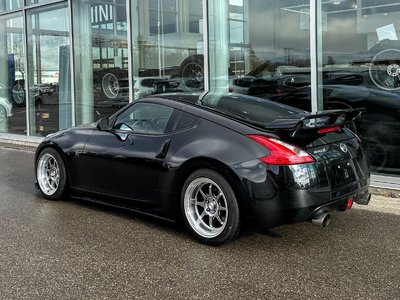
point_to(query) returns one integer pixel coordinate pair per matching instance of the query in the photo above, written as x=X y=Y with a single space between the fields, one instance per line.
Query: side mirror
x=103 y=124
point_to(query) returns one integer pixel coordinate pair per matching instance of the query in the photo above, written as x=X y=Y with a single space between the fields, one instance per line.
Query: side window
x=145 y=118
x=187 y=120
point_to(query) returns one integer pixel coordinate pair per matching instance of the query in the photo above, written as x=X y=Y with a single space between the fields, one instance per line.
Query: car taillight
x=281 y=153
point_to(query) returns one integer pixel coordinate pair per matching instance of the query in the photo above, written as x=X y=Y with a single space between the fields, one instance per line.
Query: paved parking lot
x=75 y=250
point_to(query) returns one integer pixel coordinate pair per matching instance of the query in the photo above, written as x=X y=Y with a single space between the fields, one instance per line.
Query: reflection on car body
x=216 y=164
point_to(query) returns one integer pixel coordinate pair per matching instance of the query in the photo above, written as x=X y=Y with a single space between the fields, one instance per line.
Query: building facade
x=65 y=63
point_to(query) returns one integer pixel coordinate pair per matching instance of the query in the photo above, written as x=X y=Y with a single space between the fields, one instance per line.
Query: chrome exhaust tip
x=321 y=220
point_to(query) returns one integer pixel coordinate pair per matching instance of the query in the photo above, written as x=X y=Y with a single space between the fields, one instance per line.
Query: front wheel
x=210 y=208
x=51 y=174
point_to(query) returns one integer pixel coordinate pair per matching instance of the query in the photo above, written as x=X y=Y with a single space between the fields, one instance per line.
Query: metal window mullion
x=26 y=66
x=314 y=55
x=130 y=50
x=72 y=64
x=206 y=59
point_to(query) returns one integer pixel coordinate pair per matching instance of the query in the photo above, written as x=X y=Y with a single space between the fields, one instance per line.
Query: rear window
x=250 y=108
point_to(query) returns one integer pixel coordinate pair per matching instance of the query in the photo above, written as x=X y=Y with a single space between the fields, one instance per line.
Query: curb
x=19 y=145
x=384 y=192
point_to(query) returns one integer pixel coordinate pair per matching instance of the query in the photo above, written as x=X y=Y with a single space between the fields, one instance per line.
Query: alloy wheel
x=205 y=207
x=110 y=85
x=48 y=174
x=18 y=93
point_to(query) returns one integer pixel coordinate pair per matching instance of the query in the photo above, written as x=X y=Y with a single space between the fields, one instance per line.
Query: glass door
x=50 y=107
x=12 y=75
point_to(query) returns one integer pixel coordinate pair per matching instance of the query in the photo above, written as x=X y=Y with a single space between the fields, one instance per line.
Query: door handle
x=164 y=149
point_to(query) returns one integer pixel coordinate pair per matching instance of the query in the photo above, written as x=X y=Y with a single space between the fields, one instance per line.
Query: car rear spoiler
x=304 y=128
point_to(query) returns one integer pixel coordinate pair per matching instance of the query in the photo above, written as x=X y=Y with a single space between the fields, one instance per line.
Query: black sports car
x=216 y=163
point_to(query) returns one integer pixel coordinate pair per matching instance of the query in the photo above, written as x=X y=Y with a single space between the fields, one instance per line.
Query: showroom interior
x=66 y=63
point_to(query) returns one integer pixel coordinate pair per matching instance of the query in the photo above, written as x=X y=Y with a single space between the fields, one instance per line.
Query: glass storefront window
x=101 y=58
x=6 y=5
x=195 y=16
x=266 y=51
x=363 y=70
x=12 y=75
x=49 y=70
x=163 y=16
x=167 y=47
x=359 y=67
x=30 y=2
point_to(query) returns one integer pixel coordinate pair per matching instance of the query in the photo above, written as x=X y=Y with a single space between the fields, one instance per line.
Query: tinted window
x=187 y=120
x=144 y=118
x=250 y=108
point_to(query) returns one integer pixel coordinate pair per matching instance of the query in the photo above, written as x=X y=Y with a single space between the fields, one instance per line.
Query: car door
x=126 y=160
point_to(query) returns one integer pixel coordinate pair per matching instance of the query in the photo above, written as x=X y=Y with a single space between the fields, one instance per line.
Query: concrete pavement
x=75 y=250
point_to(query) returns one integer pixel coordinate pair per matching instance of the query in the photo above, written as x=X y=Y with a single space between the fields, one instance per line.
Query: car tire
x=18 y=93
x=210 y=208
x=110 y=85
x=377 y=154
x=51 y=174
x=191 y=72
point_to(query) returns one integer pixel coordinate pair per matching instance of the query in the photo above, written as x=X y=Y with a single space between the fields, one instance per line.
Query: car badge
x=343 y=147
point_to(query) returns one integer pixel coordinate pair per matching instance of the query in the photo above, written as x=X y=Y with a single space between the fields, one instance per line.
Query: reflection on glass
x=12 y=76
x=267 y=44
x=167 y=47
x=101 y=58
x=30 y=2
x=11 y=5
x=49 y=70
x=363 y=70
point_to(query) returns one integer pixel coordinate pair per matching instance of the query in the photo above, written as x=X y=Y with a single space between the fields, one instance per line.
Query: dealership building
x=70 y=62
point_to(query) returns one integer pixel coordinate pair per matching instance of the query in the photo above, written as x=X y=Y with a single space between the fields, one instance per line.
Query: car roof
x=229 y=113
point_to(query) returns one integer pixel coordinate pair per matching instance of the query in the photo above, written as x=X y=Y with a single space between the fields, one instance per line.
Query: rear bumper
x=279 y=195
x=303 y=209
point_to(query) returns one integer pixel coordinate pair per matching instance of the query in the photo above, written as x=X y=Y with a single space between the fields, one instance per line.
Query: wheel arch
x=221 y=168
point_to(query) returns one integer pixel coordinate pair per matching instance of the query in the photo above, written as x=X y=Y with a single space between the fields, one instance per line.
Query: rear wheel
x=51 y=174
x=210 y=208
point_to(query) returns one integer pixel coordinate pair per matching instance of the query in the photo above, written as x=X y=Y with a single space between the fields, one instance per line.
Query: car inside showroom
x=68 y=63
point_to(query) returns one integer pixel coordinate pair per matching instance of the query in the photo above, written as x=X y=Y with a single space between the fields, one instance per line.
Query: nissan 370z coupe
x=217 y=163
